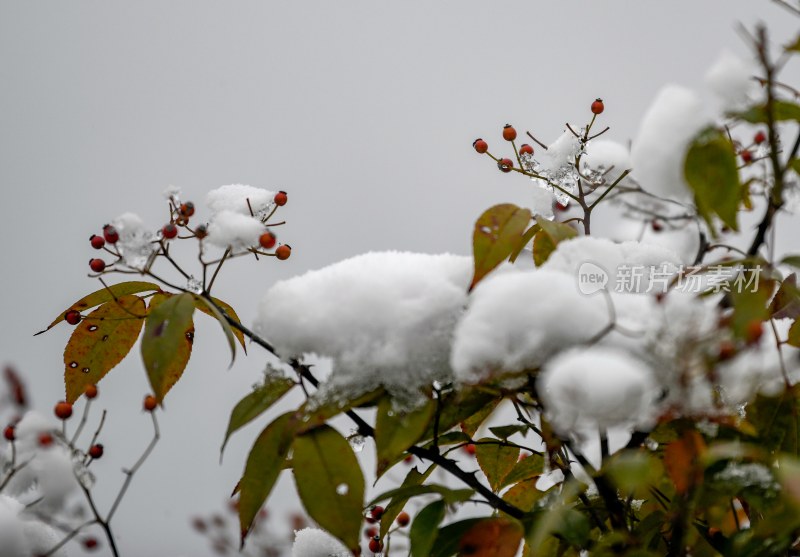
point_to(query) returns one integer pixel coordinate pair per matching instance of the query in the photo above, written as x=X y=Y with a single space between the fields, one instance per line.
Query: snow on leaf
x=100 y=342
x=498 y=233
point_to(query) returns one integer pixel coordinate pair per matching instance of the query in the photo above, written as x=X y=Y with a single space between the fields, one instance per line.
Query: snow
x=598 y=386
x=23 y=536
x=622 y=262
x=172 y=192
x=562 y=152
x=383 y=318
x=517 y=319
x=234 y=230
x=731 y=80
x=136 y=242
x=542 y=204
x=604 y=154
x=670 y=123
x=235 y=197
x=313 y=542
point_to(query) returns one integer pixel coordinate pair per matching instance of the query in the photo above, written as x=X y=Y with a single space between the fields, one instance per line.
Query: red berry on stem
x=90 y=543
x=97 y=265
x=9 y=433
x=376 y=512
x=267 y=240
x=656 y=225
x=509 y=133
x=727 y=350
x=186 y=209
x=375 y=545
x=90 y=391
x=469 y=448
x=283 y=252
x=747 y=156
x=480 y=145
x=96 y=451
x=150 y=403
x=505 y=165
x=169 y=231
x=370 y=532
x=281 y=198
x=97 y=241
x=598 y=107
x=403 y=519
x=525 y=149
x=759 y=138
x=63 y=410
x=110 y=234
x=201 y=231
x=72 y=317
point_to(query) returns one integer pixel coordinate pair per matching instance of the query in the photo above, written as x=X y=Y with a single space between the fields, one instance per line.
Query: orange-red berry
x=96 y=451
x=370 y=532
x=169 y=231
x=598 y=107
x=267 y=240
x=505 y=165
x=403 y=519
x=281 y=198
x=63 y=410
x=45 y=439
x=469 y=448
x=90 y=543
x=9 y=433
x=186 y=209
x=150 y=403
x=747 y=156
x=97 y=265
x=199 y=524
x=110 y=234
x=561 y=207
x=283 y=252
x=375 y=545
x=72 y=317
x=97 y=241
x=509 y=133
x=525 y=149
x=759 y=138
x=201 y=231
x=376 y=512
x=754 y=332
x=90 y=391
x=480 y=145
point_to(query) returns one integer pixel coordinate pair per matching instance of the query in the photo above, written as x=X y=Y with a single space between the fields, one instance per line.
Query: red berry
x=281 y=198
x=370 y=520
x=96 y=451
x=403 y=519
x=525 y=149
x=759 y=138
x=375 y=545
x=63 y=410
x=150 y=403
x=505 y=165
x=97 y=265
x=469 y=448
x=480 y=145
x=169 y=231
x=201 y=231
x=727 y=350
x=90 y=391
x=598 y=107
x=186 y=209
x=754 y=332
x=72 y=317
x=376 y=512
x=9 y=433
x=110 y=234
x=408 y=459
x=283 y=252
x=656 y=225
x=747 y=156
x=97 y=241
x=267 y=240
x=509 y=133
x=90 y=543
x=45 y=439
x=370 y=532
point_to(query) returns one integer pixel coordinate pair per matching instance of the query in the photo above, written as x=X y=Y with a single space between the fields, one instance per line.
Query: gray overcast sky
x=363 y=111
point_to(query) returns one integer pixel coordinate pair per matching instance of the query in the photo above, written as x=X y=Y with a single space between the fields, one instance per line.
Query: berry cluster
x=750 y=153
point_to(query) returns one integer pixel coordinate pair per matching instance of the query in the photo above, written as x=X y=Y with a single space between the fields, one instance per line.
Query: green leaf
x=209 y=308
x=793 y=46
x=168 y=332
x=413 y=478
x=750 y=304
x=546 y=241
x=524 y=494
x=531 y=466
x=102 y=296
x=330 y=483
x=315 y=414
x=492 y=537
x=448 y=538
x=473 y=422
x=457 y=406
x=495 y=460
x=506 y=431
x=256 y=403
x=777 y=421
x=794 y=164
x=228 y=310
x=264 y=464
x=710 y=170
x=527 y=237
x=556 y=518
x=794 y=334
x=782 y=110
x=396 y=431
x=498 y=233
x=792 y=260
x=786 y=302
x=450 y=496
x=425 y=528
x=100 y=341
